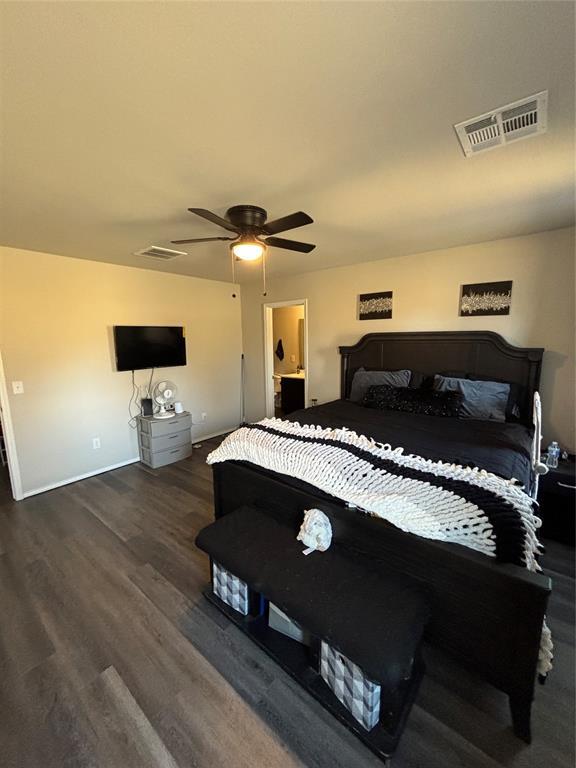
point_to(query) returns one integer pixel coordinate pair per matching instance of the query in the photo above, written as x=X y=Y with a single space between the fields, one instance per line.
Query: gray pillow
x=363 y=380
x=485 y=400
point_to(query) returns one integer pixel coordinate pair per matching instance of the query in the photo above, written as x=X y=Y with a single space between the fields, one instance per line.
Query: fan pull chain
x=233 y=269
x=264 y=272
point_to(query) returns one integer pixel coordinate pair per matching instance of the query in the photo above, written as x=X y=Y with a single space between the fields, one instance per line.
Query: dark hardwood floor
x=111 y=658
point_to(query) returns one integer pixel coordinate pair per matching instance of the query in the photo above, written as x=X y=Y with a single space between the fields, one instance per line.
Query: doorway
x=286 y=369
x=10 y=483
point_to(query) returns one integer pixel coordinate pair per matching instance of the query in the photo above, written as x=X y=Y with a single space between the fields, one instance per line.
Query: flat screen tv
x=149 y=346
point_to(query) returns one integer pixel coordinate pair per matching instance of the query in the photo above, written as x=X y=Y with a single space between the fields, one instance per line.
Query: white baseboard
x=69 y=480
x=86 y=475
x=220 y=432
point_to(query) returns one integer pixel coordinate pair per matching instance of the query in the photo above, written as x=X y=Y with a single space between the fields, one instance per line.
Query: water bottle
x=553 y=454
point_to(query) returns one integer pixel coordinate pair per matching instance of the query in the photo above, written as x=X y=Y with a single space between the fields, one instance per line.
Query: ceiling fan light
x=248 y=250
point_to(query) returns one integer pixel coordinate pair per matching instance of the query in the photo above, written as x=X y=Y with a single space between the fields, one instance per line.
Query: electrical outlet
x=203 y=416
x=95 y=443
x=18 y=387
x=292 y=358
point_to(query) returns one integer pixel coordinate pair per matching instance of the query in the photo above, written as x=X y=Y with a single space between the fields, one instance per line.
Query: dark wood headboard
x=480 y=353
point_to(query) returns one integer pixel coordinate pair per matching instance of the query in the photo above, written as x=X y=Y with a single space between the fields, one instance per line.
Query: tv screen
x=148 y=346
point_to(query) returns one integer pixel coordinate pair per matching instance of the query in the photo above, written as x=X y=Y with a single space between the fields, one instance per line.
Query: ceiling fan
x=252 y=232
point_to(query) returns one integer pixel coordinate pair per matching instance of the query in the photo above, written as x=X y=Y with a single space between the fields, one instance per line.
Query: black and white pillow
x=421 y=401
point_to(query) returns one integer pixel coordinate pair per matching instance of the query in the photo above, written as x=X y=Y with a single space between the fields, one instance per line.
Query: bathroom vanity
x=292 y=391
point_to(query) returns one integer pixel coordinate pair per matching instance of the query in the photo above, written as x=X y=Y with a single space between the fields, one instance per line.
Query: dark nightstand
x=557 y=498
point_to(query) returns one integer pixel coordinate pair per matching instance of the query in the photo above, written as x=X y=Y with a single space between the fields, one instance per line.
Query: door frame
x=13 y=465
x=269 y=351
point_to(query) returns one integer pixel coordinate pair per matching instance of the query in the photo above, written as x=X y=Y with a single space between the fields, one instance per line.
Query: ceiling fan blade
x=292 y=221
x=291 y=245
x=214 y=218
x=201 y=240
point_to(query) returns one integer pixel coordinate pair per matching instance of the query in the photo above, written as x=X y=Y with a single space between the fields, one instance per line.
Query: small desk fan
x=164 y=394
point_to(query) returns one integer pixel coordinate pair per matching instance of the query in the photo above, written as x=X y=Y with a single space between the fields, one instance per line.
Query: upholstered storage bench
x=374 y=621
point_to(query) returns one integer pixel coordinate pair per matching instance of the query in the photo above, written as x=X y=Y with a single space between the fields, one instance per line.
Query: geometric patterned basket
x=230 y=589
x=360 y=696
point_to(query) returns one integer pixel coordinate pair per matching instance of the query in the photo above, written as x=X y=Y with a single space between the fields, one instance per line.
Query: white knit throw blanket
x=413 y=505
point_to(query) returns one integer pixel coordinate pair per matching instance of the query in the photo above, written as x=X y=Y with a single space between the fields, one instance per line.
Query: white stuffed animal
x=315 y=531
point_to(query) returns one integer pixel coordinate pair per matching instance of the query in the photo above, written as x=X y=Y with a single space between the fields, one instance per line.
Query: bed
x=502 y=448
x=486 y=614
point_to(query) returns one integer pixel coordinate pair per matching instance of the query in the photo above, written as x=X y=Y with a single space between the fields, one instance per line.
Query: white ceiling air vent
x=524 y=118
x=164 y=254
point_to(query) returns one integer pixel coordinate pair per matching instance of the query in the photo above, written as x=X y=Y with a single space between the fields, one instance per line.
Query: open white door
x=8 y=436
x=269 y=351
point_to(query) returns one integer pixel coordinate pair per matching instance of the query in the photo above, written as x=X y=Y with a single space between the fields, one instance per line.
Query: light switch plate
x=18 y=387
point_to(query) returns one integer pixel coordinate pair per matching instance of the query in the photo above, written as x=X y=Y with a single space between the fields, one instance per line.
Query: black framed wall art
x=375 y=306
x=486 y=299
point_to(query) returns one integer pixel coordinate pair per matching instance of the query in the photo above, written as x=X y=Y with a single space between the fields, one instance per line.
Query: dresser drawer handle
x=172 y=437
x=176 y=451
x=565 y=485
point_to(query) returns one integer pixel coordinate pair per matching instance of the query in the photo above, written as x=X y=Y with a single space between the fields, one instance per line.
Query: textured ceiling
x=118 y=116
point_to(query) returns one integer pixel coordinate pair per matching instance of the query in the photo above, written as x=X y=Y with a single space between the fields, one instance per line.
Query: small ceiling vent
x=524 y=118
x=164 y=254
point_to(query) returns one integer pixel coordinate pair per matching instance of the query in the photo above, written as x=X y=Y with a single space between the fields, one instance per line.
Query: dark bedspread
x=501 y=448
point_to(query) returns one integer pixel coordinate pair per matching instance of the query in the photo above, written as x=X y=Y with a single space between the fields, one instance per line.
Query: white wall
x=426 y=292
x=56 y=318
